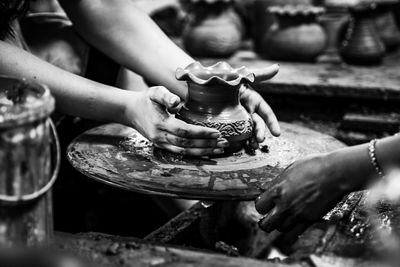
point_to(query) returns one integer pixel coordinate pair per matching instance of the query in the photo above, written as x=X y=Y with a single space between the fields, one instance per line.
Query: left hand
x=261 y=113
x=305 y=191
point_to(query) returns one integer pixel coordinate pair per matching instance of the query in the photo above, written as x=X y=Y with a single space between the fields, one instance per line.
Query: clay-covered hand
x=261 y=113
x=151 y=113
x=303 y=193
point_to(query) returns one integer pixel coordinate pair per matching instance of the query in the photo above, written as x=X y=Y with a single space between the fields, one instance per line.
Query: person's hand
x=304 y=192
x=150 y=113
x=261 y=114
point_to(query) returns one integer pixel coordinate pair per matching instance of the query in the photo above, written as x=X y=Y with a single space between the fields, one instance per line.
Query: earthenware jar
x=387 y=28
x=27 y=146
x=362 y=44
x=296 y=34
x=334 y=22
x=213 y=29
x=214 y=101
x=262 y=20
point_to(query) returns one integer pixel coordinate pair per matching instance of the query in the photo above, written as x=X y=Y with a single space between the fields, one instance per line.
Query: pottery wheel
x=119 y=156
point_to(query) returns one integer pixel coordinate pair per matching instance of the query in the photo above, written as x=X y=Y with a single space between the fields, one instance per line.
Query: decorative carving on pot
x=362 y=44
x=213 y=29
x=296 y=35
x=214 y=99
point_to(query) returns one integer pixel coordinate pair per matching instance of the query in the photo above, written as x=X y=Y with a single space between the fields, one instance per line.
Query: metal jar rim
x=23 y=101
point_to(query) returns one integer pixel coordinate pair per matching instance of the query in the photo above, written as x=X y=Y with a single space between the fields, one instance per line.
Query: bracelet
x=374 y=160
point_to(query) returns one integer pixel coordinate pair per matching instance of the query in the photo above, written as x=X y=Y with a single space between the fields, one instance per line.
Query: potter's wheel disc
x=121 y=157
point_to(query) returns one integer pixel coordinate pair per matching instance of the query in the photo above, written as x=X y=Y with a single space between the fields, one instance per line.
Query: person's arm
x=310 y=187
x=145 y=111
x=129 y=36
x=132 y=39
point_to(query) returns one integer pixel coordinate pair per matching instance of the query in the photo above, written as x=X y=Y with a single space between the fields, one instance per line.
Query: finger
x=287 y=224
x=272 y=220
x=193 y=151
x=266 y=73
x=266 y=113
x=186 y=130
x=266 y=201
x=249 y=103
x=175 y=109
x=194 y=143
x=253 y=143
x=163 y=96
x=259 y=127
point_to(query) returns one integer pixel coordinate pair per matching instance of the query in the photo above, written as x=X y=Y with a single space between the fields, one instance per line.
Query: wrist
x=128 y=101
x=352 y=168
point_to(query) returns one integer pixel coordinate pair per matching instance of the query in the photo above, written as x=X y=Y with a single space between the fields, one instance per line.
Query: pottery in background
x=214 y=100
x=388 y=30
x=262 y=20
x=296 y=35
x=334 y=23
x=362 y=44
x=213 y=29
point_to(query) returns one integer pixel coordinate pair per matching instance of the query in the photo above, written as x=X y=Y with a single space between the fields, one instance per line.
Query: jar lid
x=294 y=10
x=23 y=101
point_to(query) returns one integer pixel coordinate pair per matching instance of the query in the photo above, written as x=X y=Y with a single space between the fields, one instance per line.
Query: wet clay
x=119 y=156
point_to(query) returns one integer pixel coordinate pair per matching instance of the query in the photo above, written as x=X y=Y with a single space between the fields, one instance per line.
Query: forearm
x=130 y=37
x=356 y=166
x=74 y=95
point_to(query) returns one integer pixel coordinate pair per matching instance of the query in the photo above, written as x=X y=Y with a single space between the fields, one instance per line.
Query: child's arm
x=130 y=37
x=145 y=111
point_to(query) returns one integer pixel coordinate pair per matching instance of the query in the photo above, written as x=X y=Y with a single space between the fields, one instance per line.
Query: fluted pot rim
x=214 y=74
x=296 y=10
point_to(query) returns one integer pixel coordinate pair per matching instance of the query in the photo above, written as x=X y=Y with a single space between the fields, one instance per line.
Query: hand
x=304 y=192
x=261 y=113
x=150 y=112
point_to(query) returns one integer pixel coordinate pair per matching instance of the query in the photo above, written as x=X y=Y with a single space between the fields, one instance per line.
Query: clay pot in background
x=213 y=29
x=262 y=20
x=362 y=44
x=296 y=35
x=385 y=23
x=334 y=24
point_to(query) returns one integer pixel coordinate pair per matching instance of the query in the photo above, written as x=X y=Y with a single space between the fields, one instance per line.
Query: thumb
x=163 y=96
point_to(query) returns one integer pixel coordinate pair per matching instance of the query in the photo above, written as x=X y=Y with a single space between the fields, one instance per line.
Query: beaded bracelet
x=374 y=160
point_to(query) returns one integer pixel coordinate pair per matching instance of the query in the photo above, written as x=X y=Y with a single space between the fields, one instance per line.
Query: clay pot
x=334 y=24
x=262 y=20
x=214 y=101
x=362 y=44
x=296 y=34
x=387 y=28
x=213 y=29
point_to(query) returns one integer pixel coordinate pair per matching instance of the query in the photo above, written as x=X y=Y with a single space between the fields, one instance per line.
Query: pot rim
x=220 y=73
x=39 y=106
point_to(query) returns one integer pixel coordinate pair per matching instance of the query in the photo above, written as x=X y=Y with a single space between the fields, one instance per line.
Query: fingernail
x=222 y=143
x=215 y=135
x=173 y=100
x=218 y=151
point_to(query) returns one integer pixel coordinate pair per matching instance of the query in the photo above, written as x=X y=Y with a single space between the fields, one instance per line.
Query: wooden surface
x=102 y=250
x=326 y=79
x=121 y=157
x=111 y=251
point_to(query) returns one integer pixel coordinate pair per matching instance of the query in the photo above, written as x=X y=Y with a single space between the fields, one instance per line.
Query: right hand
x=151 y=113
